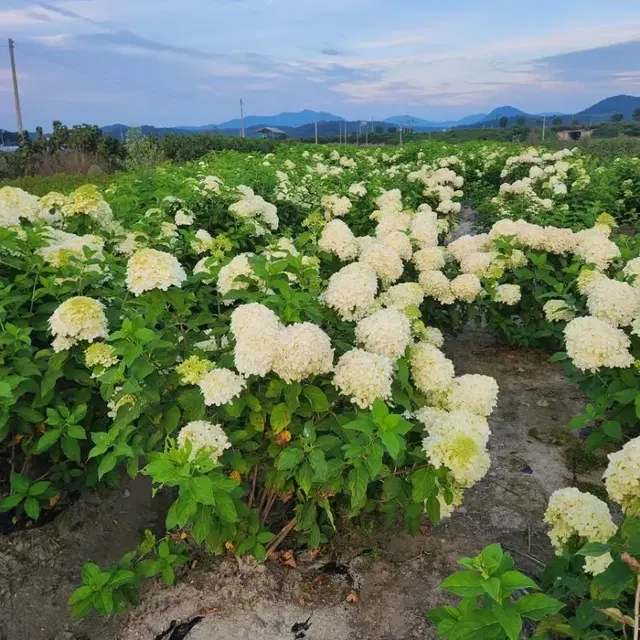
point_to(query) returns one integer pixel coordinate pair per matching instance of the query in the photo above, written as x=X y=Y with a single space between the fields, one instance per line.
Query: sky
x=188 y=62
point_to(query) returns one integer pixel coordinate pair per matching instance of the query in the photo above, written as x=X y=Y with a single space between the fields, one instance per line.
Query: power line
x=105 y=78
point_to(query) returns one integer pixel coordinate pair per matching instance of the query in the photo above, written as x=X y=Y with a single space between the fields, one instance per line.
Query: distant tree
x=575 y=122
x=379 y=128
x=617 y=117
x=557 y=121
x=392 y=130
x=504 y=121
x=520 y=121
x=636 y=114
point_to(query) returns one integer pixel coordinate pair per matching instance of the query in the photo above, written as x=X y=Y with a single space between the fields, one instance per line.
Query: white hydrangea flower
x=477 y=393
x=431 y=370
x=456 y=440
x=429 y=258
x=221 y=386
x=337 y=238
x=402 y=296
x=77 y=319
x=632 y=270
x=592 y=344
x=389 y=221
x=558 y=311
x=573 y=513
x=351 y=292
x=622 y=477
x=386 y=263
x=304 y=350
x=466 y=287
x=203 y=436
x=386 y=332
x=239 y=266
x=16 y=203
x=399 y=242
x=436 y=285
x=424 y=229
x=364 y=376
x=256 y=330
x=509 y=294
x=615 y=302
x=149 y=269
x=183 y=219
x=335 y=206
x=100 y=354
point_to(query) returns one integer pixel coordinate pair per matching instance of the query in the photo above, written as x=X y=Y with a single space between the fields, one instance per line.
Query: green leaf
x=290 y=458
x=71 y=448
x=265 y=537
x=466 y=584
x=363 y=425
x=280 y=417
x=612 y=428
x=47 y=440
x=594 y=549
x=291 y=394
x=32 y=507
x=225 y=508
x=422 y=485
x=319 y=464
x=38 y=488
x=76 y=431
x=201 y=490
x=19 y=483
x=492 y=587
x=171 y=418
x=537 y=605
x=274 y=389
x=391 y=441
x=509 y=619
x=358 y=483
x=107 y=464
x=304 y=477
x=81 y=593
x=491 y=558
x=317 y=398
x=514 y=580
x=11 y=502
x=380 y=410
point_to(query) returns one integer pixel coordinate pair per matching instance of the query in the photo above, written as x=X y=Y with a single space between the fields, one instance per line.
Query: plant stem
x=253 y=486
x=269 y=506
x=636 y=617
x=284 y=532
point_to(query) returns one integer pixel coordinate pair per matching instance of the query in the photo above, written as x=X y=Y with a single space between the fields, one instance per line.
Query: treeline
x=84 y=149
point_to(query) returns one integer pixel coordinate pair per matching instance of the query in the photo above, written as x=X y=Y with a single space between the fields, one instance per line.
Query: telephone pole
x=241 y=119
x=16 y=95
x=316 y=129
x=544 y=126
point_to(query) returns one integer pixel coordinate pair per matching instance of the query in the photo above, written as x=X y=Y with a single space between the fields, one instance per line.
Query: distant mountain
x=501 y=112
x=284 y=119
x=604 y=109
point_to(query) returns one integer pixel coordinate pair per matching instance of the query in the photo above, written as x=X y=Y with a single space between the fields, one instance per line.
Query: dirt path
x=394 y=575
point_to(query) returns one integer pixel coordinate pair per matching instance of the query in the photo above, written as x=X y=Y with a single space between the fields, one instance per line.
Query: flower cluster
x=203 y=436
x=77 y=319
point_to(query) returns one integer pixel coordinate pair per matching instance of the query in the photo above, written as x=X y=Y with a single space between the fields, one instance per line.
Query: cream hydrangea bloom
x=193 y=369
x=429 y=258
x=466 y=287
x=456 y=440
x=402 y=296
x=477 y=393
x=615 y=302
x=221 y=386
x=632 y=270
x=304 y=350
x=337 y=238
x=622 y=477
x=558 y=311
x=508 y=294
x=150 y=269
x=385 y=261
x=77 y=319
x=572 y=513
x=364 y=377
x=592 y=344
x=386 y=332
x=431 y=370
x=239 y=266
x=436 y=285
x=100 y=354
x=256 y=330
x=335 y=206
x=399 y=242
x=203 y=436
x=351 y=292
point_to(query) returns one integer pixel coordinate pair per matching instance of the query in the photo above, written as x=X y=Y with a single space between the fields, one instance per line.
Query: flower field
x=262 y=336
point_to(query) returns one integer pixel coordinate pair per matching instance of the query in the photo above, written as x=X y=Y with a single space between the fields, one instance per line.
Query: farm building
x=272 y=133
x=575 y=134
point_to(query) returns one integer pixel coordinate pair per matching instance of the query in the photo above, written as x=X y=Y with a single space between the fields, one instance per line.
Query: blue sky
x=187 y=62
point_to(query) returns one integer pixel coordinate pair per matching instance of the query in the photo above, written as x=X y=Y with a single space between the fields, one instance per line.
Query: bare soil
x=371 y=583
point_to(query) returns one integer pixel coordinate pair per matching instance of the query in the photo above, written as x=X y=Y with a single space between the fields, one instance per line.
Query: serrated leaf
x=317 y=398
x=290 y=458
x=537 y=605
x=47 y=440
x=280 y=417
x=466 y=584
x=509 y=618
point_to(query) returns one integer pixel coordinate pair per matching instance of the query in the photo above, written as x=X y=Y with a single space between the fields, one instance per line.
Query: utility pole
x=366 y=135
x=544 y=126
x=241 y=119
x=16 y=95
x=400 y=127
x=316 y=123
